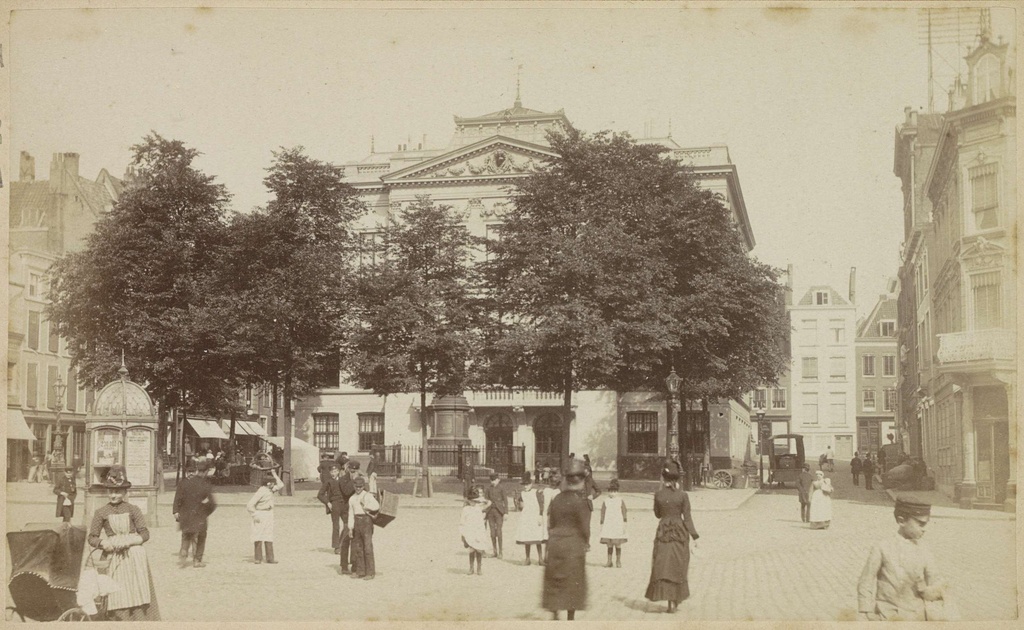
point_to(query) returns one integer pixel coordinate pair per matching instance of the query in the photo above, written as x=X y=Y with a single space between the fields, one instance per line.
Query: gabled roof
x=884 y=310
x=430 y=165
x=834 y=298
x=514 y=113
x=34 y=196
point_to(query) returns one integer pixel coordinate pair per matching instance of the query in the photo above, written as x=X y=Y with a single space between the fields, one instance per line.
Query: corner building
x=624 y=433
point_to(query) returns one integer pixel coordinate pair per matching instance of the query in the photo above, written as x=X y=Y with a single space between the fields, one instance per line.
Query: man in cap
x=496 y=513
x=899 y=579
x=334 y=494
x=803 y=487
x=362 y=507
x=193 y=504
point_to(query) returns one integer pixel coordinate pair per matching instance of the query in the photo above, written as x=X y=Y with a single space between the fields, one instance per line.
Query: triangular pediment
x=497 y=156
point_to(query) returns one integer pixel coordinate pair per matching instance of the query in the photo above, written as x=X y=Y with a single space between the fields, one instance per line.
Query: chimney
x=853 y=285
x=71 y=164
x=908 y=111
x=28 y=168
x=63 y=168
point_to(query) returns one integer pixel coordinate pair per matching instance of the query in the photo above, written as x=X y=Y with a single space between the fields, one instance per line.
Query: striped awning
x=244 y=427
x=17 y=428
x=207 y=429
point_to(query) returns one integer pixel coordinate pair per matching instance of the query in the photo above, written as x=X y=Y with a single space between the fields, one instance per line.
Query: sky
x=807 y=101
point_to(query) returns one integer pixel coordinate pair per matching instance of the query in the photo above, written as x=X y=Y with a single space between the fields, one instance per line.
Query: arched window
x=986 y=79
x=498 y=432
x=547 y=431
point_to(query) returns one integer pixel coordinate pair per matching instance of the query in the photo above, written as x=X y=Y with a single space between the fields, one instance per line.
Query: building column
x=1009 y=383
x=968 y=485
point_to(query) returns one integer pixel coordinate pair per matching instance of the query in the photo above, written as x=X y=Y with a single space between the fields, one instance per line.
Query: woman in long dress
x=671 y=559
x=565 y=571
x=119 y=529
x=821 y=501
x=549 y=492
x=531 y=519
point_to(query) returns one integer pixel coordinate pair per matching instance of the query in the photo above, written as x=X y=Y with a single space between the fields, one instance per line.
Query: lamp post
x=672 y=385
x=59 y=461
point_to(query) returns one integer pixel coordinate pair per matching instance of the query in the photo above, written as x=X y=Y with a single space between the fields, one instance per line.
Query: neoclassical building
x=621 y=431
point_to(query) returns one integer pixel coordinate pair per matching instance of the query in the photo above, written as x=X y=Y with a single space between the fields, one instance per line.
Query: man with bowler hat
x=193 y=504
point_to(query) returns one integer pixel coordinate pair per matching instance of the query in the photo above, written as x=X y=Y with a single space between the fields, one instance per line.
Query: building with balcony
x=48 y=218
x=959 y=278
x=623 y=432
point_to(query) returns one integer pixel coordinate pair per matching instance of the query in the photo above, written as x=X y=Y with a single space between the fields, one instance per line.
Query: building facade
x=48 y=218
x=877 y=375
x=964 y=287
x=621 y=431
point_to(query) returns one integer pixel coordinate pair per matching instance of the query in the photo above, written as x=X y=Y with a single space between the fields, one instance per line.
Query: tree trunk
x=286 y=409
x=231 y=437
x=683 y=431
x=566 y=421
x=425 y=473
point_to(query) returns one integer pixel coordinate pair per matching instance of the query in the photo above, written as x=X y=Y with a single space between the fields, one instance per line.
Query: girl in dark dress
x=565 y=571
x=671 y=544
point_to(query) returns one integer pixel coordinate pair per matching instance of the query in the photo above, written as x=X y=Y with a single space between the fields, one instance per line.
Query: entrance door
x=547 y=432
x=869 y=438
x=844 y=447
x=498 y=433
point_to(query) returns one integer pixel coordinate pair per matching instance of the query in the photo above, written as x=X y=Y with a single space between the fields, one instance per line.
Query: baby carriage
x=46 y=568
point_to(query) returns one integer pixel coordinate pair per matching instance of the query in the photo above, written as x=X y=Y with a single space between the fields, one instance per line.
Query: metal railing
x=397 y=460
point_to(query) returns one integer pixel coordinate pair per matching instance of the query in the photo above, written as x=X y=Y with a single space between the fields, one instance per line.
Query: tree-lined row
x=613 y=267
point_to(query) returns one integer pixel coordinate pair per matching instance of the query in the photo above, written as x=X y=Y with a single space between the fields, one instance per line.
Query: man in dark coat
x=193 y=504
x=66 y=492
x=803 y=486
x=868 y=468
x=855 y=468
x=496 y=513
x=334 y=494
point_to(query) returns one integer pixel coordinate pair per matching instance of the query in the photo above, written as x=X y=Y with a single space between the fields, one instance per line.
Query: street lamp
x=59 y=461
x=672 y=385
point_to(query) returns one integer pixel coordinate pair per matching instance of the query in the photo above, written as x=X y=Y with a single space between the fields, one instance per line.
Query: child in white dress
x=613 y=523
x=473 y=528
x=531 y=519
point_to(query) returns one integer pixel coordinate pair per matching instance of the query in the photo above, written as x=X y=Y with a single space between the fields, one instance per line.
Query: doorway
x=844 y=446
x=547 y=432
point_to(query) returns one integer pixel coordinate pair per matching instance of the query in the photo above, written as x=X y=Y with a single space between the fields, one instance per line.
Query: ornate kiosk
x=122 y=429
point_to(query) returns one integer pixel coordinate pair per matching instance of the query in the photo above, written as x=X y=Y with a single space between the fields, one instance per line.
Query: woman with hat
x=119 y=529
x=671 y=560
x=565 y=571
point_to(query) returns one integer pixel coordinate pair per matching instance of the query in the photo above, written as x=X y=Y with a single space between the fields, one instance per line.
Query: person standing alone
x=868 y=468
x=855 y=468
x=193 y=504
x=803 y=486
x=361 y=508
x=66 y=492
x=496 y=513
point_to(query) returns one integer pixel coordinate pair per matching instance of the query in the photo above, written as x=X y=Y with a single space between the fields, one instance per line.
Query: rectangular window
x=370 y=248
x=810 y=409
x=985 y=196
x=51 y=387
x=325 y=431
x=371 y=430
x=985 y=289
x=887 y=329
x=778 y=398
x=31 y=385
x=889 y=365
x=837 y=408
x=838 y=331
x=809 y=367
x=760 y=398
x=869 y=400
x=890 y=399
x=821 y=298
x=837 y=367
x=809 y=328
x=54 y=345
x=33 y=330
x=869 y=364
x=35 y=284
x=642 y=432
x=72 y=396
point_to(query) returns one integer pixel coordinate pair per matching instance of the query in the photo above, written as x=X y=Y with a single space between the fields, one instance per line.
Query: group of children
x=476 y=529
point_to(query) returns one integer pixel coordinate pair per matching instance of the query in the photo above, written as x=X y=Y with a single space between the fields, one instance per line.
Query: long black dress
x=671 y=547
x=565 y=573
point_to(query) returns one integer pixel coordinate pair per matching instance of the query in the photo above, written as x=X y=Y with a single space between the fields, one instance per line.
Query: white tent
x=305 y=457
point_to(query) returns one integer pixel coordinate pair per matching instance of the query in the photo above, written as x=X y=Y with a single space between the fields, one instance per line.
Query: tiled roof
x=516 y=111
x=29 y=195
x=884 y=310
x=834 y=298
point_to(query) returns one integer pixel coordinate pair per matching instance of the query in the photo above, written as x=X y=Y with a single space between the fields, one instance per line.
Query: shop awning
x=17 y=428
x=244 y=427
x=207 y=429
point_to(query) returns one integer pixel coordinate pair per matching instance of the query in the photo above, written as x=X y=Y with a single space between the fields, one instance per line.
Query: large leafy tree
x=285 y=276
x=613 y=266
x=142 y=285
x=415 y=330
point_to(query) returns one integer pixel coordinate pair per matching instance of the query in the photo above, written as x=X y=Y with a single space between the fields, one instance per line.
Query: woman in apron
x=119 y=528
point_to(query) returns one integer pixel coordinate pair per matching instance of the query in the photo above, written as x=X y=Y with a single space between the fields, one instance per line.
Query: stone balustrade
x=974 y=346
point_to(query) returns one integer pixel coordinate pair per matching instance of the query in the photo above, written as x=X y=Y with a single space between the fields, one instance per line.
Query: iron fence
x=397 y=460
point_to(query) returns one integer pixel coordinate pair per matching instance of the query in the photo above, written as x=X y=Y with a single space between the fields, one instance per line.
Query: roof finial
x=123 y=371
x=986 y=25
x=372 y=151
x=670 y=127
x=519 y=71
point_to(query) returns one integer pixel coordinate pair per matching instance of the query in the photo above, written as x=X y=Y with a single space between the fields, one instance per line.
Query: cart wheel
x=721 y=479
x=73 y=614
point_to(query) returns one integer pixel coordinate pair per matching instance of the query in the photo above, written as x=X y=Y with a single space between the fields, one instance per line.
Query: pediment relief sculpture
x=497 y=162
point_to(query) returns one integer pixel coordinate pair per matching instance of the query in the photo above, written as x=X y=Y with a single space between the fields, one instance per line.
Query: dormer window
x=821 y=297
x=986 y=79
x=887 y=328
